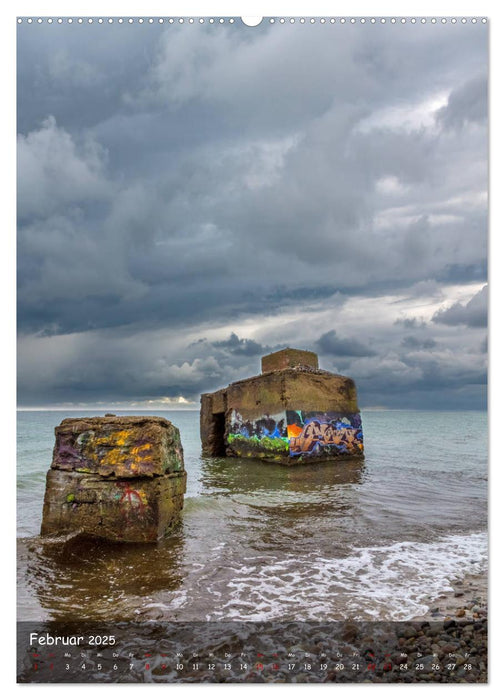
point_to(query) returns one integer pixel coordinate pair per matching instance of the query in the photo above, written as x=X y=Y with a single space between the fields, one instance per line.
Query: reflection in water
x=100 y=580
x=285 y=508
x=229 y=476
x=251 y=511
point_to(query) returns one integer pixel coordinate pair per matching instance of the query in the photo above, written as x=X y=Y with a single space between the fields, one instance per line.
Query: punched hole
x=251 y=21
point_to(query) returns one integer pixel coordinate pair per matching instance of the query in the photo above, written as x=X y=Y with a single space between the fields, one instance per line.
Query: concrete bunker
x=119 y=478
x=293 y=411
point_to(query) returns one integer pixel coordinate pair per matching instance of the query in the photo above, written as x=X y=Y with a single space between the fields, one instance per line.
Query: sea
x=373 y=538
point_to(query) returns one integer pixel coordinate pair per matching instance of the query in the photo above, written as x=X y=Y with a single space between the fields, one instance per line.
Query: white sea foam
x=394 y=582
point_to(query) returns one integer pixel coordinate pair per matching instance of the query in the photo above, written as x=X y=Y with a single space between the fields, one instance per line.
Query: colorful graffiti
x=318 y=434
x=264 y=435
x=297 y=434
x=124 y=452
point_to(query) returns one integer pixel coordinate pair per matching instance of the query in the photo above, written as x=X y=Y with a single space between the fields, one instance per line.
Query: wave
x=394 y=582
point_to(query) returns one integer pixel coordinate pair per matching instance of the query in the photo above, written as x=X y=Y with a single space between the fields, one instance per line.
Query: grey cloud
x=79 y=74
x=410 y=322
x=412 y=343
x=107 y=365
x=472 y=272
x=172 y=177
x=210 y=210
x=242 y=346
x=422 y=377
x=474 y=313
x=468 y=103
x=331 y=344
x=55 y=172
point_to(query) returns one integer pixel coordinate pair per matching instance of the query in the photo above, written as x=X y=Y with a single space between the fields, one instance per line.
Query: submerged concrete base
x=139 y=510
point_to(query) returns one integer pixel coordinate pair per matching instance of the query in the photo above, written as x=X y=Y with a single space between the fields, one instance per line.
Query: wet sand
x=468 y=600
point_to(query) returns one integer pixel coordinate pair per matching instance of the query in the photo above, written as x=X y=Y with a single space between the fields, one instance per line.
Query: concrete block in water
x=292 y=412
x=120 y=478
x=123 y=510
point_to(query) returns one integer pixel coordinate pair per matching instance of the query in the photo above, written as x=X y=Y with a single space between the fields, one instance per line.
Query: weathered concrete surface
x=116 y=477
x=128 y=510
x=319 y=391
x=212 y=424
x=120 y=446
x=258 y=395
x=289 y=357
x=287 y=414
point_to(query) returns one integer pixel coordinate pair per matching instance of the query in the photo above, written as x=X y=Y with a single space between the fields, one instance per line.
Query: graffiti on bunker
x=315 y=433
x=299 y=433
x=268 y=433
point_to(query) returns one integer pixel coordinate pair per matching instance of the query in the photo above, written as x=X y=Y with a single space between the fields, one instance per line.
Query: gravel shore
x=448 y=650
x=446 y=645
x=467 y=600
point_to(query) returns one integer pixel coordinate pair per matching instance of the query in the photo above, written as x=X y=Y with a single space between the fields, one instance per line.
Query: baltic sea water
x=374 y=538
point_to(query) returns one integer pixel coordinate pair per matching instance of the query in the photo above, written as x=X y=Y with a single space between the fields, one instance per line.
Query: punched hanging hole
x=252 y=21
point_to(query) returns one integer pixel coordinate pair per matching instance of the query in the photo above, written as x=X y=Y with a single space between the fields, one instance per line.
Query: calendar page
x=252 y=349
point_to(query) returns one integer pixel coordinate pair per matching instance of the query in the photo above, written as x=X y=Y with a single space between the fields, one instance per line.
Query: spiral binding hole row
x=232 y=20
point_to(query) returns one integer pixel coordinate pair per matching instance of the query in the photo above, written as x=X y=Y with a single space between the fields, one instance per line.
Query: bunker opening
x=219 y=429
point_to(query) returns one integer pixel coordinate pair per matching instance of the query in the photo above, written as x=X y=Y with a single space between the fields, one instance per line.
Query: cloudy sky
x=192 y=197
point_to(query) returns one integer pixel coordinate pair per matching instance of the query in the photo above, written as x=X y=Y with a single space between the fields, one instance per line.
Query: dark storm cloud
x=79 y=76
x=416 y=377
x=474 y=313
x=330 y=344
x=172 y=177
x=412 y=343
x=242 y=346
x=474 y=272
x=111 y=366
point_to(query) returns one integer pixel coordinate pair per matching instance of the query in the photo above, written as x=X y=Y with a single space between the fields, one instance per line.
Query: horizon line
x=164 y=408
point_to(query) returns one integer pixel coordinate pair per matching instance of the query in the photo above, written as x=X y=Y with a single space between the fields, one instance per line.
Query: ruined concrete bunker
x=292 y=412
x=118 y=478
